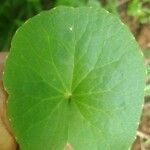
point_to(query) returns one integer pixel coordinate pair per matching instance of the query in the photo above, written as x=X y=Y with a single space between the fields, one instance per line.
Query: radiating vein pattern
x=74 y=75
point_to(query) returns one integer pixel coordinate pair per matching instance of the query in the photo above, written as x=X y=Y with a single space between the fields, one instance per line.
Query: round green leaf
x=74 y=76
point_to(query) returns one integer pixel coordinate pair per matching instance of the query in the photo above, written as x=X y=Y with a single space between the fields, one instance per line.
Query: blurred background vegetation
x=134 y=13
x=14 y=12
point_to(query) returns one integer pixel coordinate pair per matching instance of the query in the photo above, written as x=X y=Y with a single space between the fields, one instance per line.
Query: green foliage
x=147 y=56
x=137 y=9
x=12 y=14
x=74 y=75
x=77 y=3
x=74 y=3
x=111 y=6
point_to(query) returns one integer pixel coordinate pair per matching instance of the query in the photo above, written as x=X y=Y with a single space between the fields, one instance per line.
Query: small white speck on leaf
x=142 y=53
x=129 y=148
x=122 y=23
x=9 y=119
x=70 y=28
x=134 y=38
x=107 y=12
x=3 y=72
x=25 y=23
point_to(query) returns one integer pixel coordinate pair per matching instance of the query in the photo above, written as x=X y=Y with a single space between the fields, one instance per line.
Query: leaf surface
x=74 y=76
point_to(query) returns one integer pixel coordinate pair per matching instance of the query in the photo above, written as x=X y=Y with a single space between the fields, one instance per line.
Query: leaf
x=75 y=77
x=135 y=8
x=111 y=6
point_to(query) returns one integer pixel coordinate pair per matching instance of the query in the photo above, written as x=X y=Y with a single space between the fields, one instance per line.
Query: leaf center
x=68 y=96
